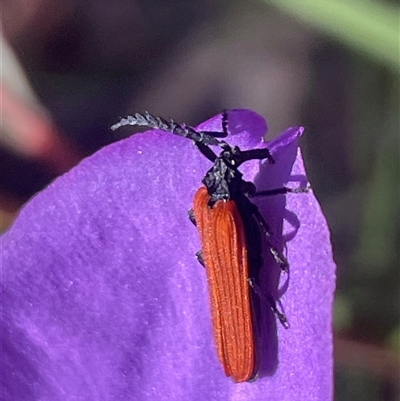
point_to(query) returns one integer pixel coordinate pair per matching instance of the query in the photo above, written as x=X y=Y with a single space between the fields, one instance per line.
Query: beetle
x=231 y=230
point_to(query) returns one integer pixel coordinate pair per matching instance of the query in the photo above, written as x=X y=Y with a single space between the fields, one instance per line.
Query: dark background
x=71 y=68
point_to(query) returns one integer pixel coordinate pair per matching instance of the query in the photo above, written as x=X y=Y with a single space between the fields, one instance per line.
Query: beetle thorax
x=223 y=180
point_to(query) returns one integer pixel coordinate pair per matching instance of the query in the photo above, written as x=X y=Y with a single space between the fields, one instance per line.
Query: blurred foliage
x=368 y=26
x=393 y=340
x=343 y=316
x=360 y=195
x=353 y=384
x=366 y=243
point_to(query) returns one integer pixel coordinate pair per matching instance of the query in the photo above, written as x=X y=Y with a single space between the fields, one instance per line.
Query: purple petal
x=249 y=127
x=103 y=299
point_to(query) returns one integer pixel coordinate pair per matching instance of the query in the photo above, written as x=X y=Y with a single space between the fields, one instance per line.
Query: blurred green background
x=71 y=68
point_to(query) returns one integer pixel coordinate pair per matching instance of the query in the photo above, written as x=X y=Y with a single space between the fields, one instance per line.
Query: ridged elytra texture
x=224 y=248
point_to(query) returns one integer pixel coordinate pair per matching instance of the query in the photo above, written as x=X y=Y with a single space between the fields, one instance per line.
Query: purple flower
x=103 y=299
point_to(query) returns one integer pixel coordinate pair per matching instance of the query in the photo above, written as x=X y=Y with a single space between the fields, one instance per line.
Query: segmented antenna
x=148 y=120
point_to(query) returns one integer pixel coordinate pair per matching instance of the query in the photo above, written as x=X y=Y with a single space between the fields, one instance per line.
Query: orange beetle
x=230 y=228
x=224 y=252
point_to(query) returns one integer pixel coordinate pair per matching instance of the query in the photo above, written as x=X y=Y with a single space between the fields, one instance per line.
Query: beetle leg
x=281 y=316
x=271 y=301
x=199 y=256
x=206 y=151
x=225 y=122
x=255 y=154
x=191 y=216
x=279 y=258
x=281 y=191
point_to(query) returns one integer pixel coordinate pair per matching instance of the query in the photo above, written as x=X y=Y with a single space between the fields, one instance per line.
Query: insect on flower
x=231 y=230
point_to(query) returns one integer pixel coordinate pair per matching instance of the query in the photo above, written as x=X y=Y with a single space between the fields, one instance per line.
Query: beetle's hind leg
x=271 y=301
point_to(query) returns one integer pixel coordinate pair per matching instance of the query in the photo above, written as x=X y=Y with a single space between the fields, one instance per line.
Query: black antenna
x=203 y=137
